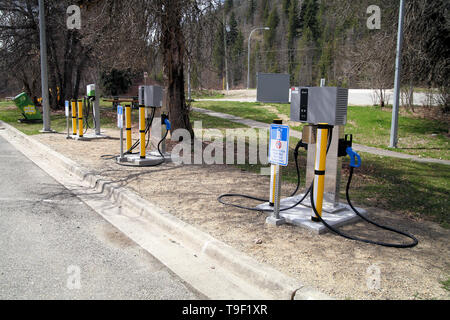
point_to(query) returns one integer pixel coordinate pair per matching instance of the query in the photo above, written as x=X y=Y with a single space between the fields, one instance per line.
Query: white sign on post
x=120 y=117
x=279 y=145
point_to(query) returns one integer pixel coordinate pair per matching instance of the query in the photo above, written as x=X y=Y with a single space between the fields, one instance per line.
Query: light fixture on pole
x=248 y=65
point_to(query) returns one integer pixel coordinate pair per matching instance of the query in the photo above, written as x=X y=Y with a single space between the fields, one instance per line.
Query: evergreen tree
x=308 y=18
x=251 y=11
x=237 y=58
x=286 y=5
x=293 y=23
x=233 y=30
x=270 y=41
x=228 y=6
x=219 y=52
x=264 y=9
x=293 y=26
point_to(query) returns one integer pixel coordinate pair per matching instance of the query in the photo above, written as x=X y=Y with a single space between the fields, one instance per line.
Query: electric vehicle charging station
x=324 y=110
x=80 y=112
x=152 y=122
x=315 y=106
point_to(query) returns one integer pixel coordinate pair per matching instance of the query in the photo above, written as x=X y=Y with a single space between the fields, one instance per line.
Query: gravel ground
x=334 y=265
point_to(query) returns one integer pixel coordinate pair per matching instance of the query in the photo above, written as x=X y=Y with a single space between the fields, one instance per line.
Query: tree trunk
x=172 y=43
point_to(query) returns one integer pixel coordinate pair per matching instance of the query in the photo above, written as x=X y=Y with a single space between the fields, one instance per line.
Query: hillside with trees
x=308 y=39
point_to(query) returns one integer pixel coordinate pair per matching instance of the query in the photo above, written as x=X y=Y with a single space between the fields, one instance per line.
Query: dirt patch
x=336 y=266
x=286 y=119
x=235 y=94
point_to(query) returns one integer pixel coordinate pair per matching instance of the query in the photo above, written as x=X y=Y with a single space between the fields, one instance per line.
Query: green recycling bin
x=27 y=107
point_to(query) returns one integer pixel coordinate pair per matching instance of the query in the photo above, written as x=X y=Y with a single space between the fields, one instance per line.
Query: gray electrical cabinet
x=273 y=87
x=150 y=96
x=316 y=105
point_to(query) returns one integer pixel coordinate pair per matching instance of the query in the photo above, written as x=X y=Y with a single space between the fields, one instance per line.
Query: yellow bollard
x=320 y=167
x=74 y=117
x=128 y=126
x=80 y=119
x=142 y=130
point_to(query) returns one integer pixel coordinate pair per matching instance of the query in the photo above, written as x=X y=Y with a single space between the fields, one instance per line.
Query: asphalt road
x=53 y=246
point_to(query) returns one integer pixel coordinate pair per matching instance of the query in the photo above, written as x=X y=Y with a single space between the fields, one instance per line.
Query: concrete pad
x=88 y=137
x=275 y=222
x=135 y=160
x=301 y=215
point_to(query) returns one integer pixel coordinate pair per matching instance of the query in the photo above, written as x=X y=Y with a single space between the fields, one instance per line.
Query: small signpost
x=67 y=104
x=278 y=157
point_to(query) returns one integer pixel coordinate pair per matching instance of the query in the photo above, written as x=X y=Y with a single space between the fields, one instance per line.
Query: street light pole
x=44 y=69
x=249 y=46
x=398 y=64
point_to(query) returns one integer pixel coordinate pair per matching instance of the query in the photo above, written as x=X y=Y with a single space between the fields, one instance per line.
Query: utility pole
x=249 y=47
x=398 y=69
x=44 y=72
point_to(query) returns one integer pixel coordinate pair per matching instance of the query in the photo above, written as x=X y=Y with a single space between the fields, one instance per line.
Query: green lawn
x=246 y=110
x=369 y=125
x=10 y=114
x=427 y=138
x=408 y=187
x=207 y=94
x=209 y=122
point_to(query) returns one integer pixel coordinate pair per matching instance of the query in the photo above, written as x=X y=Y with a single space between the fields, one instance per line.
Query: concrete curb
x=268 y=279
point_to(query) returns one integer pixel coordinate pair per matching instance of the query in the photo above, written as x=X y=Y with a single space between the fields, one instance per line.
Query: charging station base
x=88 y=137
x=301 y=215
x=150 y=160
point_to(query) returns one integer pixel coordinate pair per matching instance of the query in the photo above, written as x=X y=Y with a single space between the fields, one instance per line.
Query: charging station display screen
x=304 y=105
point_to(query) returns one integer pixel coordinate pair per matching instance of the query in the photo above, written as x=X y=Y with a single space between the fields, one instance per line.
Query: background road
x=47 y=235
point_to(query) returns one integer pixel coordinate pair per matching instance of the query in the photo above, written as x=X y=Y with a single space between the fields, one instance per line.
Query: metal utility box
x=273 y=87
x=90 y=90
x=316 y=105
x=150 y=96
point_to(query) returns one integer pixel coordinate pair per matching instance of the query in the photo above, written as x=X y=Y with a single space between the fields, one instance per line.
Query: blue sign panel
x=279 y=145
x=120 y=117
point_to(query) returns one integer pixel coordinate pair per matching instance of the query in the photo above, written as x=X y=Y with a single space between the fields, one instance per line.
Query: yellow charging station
x=320 y=167
x=142 y=130
x=128 y=126
x=80 y=119
x=74 y=117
